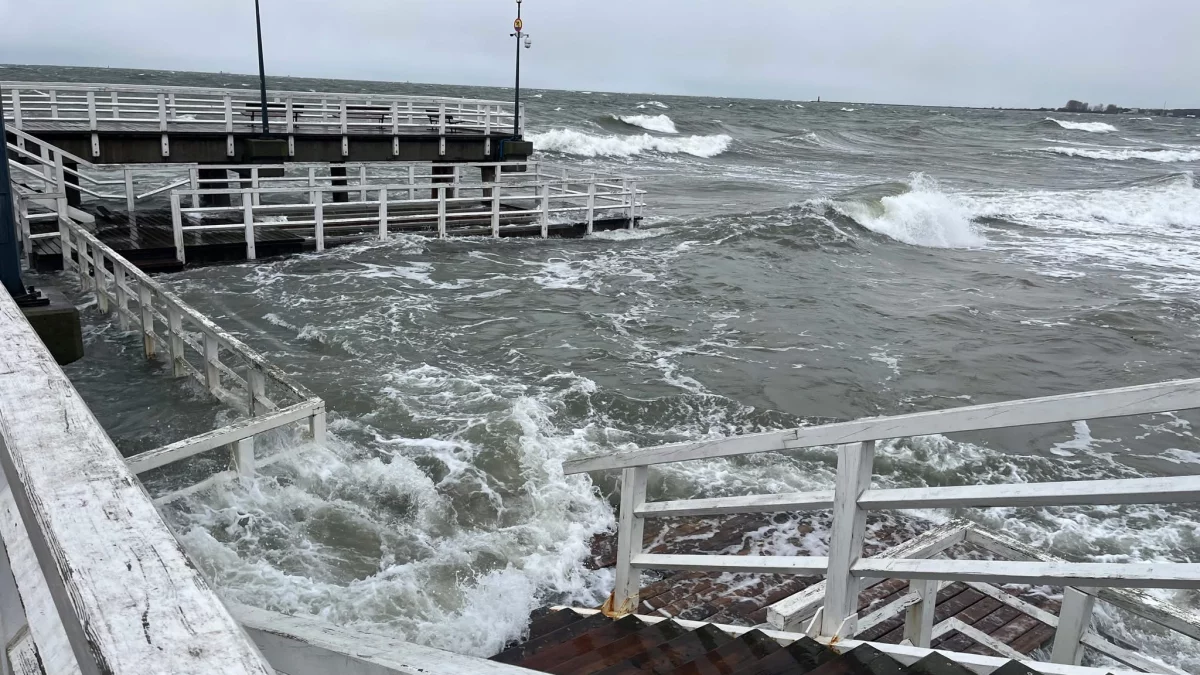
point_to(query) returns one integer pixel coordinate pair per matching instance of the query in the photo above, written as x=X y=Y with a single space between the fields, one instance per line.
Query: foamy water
x=581 y=144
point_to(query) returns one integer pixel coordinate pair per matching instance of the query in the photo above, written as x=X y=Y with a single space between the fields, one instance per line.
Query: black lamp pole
x=262 y=73
x=517 y=104
x=10 y=253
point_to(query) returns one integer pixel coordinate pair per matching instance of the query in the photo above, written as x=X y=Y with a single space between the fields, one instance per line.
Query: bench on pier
x=375 y=113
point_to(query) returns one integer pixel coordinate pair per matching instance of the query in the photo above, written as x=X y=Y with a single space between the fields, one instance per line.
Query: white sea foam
x=922 y=216
x=1091 y=127
x=659 y=123
x=572 y=142
x=1126 y=154
x=849 y=109
x=656 y=104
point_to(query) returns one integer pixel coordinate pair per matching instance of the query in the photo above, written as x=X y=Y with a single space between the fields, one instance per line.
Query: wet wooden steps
x=565 y=642
x=742 y=599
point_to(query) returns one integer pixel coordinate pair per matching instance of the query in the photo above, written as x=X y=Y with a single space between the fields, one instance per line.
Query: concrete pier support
x=74 y=197
x=338 y=172
x=443 y=174
x=213 y=200
x=488 y=174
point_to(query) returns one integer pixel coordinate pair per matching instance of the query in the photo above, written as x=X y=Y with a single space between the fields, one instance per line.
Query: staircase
x=564 y=642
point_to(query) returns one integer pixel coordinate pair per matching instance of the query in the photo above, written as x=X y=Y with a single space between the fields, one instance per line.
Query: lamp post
x=262 y=73
x=519 y=25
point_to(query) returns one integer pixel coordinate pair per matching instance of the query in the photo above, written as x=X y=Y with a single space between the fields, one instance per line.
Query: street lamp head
x=528 y=42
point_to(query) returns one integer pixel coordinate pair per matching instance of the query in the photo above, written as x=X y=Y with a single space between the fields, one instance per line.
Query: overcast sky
x=944 y=52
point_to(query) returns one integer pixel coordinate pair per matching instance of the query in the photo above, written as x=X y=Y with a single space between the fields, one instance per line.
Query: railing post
x=146 y=302
x=454 y=179
x=60 y=186
x=317 y=426
x=16 y=106
x=162 y=123
x=248 y=221
x=84 y=261
x=229 y=125
x=918 y=619
x=383 y=214
x=212 y=373
x=53 y=104
x=177 y=228
x=116 y=105
x=130 y=195
x=840 y=614
x=256 y=383
x=193 y=185
x=319 y=218
x=92 y=123
x=442 y=129
x=175 y=341
x=441 y=214
x=591 y=204
x=256 y=198
x=633 y=203
x=496 y=211
x=624 y=599
x=64 y=238
x=1073 y=621
x=98 y=275
x=121 y=297
x=412 y=181
x=362 y=182
x=545 y=210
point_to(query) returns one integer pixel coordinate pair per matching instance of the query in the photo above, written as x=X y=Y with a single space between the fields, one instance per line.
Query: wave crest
x=1091 y=127
x=922 y=216
x=571 y=142
x=1123 y=155
x=659 y=123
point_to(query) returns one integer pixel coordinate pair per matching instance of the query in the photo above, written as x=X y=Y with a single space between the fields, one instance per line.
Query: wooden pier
x=125 y=124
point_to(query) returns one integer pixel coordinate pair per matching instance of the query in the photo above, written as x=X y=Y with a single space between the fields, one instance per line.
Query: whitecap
x=659 y=123
x=923 y=216
x=1091 y=127
x=572 y=142
x=1126 y=154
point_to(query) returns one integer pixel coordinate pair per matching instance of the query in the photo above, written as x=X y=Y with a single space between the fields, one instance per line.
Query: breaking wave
x=1092 y=127
x=656 y=104
x=659 y=123
x=1123 y=155
x=571 y=142
x=921 y=216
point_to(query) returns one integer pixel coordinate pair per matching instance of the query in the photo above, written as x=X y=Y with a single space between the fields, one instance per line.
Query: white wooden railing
x=159 y=108
x=852 y=498
x=195 y=347
x=91 y=579
x=503 y=203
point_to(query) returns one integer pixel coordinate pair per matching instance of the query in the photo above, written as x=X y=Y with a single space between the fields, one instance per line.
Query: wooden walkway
x=742 y=599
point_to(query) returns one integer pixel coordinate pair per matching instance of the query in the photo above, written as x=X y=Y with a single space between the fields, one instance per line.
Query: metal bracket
x=166 y=146
x=291 y=145
x=814 y=624
x=442 y=146
x=229 y=145
x=95 y=145
x=345 y=146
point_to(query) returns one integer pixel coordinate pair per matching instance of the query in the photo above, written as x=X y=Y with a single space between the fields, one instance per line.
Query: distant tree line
x=1074 y=106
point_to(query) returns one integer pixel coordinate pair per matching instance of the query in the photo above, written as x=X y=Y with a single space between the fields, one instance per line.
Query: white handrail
x=124 y=592
x=853 y=497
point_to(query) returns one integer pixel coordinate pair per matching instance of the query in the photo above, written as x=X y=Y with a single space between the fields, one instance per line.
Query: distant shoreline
x=138 y=75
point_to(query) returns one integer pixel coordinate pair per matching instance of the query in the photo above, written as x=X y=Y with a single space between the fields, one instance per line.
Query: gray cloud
x=942 y=52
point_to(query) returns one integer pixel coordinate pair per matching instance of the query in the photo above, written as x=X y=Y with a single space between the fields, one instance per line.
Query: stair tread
x=546 y=657
x=731 y=656
x=801 y=656
x=936 y=664
x=550 y=621
x=862 y=660
x=614 y=652
x=517 y=653
x=668 y=656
